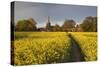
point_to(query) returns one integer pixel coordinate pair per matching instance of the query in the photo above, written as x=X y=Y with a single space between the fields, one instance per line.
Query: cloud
x=58 y=13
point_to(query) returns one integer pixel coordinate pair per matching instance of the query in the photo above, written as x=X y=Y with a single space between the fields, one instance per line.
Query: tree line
x=89 y=24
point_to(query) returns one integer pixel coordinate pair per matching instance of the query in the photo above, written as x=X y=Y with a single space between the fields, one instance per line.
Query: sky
x=57 y=12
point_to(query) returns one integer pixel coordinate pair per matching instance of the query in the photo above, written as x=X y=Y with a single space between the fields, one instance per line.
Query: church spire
x=48 y=25
x=48 y=19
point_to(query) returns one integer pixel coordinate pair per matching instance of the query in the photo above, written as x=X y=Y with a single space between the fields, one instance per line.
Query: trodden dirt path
x=76 y=54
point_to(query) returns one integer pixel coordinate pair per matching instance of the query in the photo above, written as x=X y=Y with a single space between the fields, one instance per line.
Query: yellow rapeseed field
x=52 y=47
x=41 y=47
x=88 y=44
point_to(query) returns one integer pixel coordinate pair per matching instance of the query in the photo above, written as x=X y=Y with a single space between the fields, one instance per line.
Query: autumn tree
x=26 y=25
x=89 y=24
x=68 y=25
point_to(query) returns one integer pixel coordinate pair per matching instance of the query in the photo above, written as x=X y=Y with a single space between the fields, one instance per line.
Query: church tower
x=48 y=19
x=48 y=24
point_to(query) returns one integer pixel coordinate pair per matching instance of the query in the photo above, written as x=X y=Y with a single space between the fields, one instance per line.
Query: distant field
x=52 y=47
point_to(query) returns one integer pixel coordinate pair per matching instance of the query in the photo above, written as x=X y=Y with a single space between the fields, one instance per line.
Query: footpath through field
x=76 y=54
